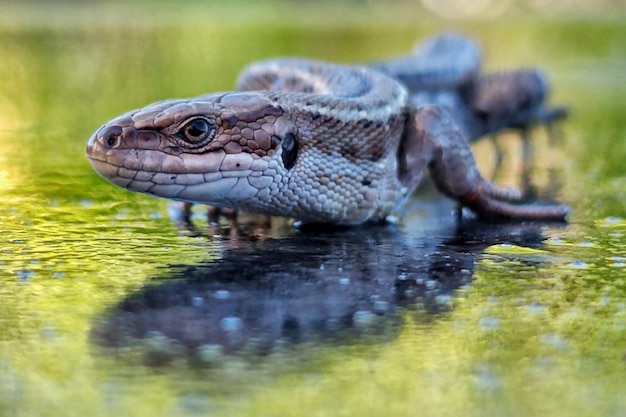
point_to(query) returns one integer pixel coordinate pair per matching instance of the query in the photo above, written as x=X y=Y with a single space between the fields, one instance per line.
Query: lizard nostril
x=111 y=136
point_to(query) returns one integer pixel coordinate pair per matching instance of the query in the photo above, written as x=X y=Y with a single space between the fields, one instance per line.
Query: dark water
x=105 y=308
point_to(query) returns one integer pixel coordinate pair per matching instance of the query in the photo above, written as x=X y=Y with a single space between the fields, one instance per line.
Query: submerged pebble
x=489 y=323
x=155 y=335
x=443 y=299
x=486 y=379
x=159 y=349
x=49 y=332
x=24 y=274
x=210 y=353
x=332 y=325
x=222 y=295
x=381 y=306
x=363 y=319
x=231 y=324
x=193 y=404
x=554 y=340
x=535 y=308
x=612 y=219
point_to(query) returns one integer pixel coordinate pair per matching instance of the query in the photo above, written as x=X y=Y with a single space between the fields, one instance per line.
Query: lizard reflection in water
x=320 y=288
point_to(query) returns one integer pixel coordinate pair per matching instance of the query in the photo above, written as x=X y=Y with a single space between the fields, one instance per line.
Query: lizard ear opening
x=289 y=150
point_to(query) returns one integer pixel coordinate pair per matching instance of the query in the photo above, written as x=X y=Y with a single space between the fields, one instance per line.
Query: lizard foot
x=435 y=141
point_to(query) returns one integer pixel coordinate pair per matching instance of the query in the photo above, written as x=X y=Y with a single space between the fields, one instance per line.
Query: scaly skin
x=322 y=143
x=444 y=70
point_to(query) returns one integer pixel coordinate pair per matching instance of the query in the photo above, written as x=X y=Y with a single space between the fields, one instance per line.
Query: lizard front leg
x=432 y=140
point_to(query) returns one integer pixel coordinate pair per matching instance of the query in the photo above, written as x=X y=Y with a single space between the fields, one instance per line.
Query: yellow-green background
x=71 y=245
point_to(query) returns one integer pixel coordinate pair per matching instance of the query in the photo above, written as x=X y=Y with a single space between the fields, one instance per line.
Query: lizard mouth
x=209 y=178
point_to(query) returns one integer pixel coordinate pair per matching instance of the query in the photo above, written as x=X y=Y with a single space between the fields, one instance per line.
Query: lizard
x=315 y=141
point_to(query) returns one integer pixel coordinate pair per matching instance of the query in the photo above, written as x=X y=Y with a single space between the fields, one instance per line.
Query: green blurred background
x=72 y=245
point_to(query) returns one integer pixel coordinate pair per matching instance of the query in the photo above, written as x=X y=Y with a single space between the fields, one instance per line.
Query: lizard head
x=221 y=149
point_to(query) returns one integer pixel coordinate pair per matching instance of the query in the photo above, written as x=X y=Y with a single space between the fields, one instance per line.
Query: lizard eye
x=196 y=131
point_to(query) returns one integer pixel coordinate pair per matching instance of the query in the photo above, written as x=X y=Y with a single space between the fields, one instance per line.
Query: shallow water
x=107 y=309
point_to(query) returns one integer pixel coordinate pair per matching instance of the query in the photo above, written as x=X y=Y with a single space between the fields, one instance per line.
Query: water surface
x=108 y=309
